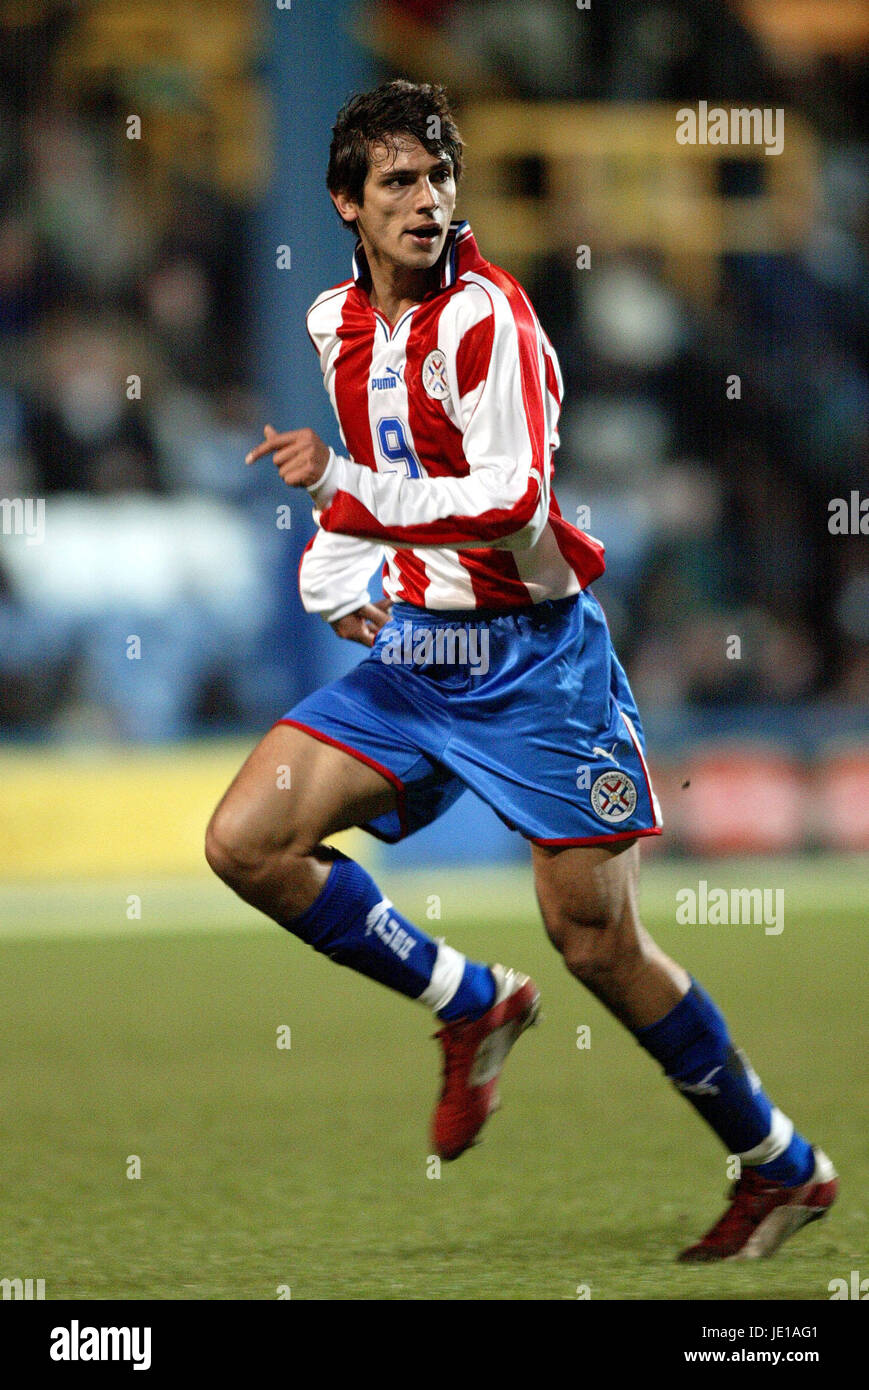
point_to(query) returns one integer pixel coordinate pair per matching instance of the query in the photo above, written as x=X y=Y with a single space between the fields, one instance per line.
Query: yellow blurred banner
x=81 y=813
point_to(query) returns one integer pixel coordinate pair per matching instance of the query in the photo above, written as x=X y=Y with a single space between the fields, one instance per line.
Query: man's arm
x=333 y=581
x=499 y=396
x=334 y=574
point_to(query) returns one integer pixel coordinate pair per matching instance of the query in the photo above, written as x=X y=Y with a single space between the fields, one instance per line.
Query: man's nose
x=428 y=197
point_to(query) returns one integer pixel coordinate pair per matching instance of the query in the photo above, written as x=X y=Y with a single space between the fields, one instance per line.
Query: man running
x=447 y=393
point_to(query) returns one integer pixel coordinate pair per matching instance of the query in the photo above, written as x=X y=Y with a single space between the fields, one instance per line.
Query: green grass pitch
x=306 y=1169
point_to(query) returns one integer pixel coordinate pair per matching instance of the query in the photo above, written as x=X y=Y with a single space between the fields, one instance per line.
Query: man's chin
x=422 y=257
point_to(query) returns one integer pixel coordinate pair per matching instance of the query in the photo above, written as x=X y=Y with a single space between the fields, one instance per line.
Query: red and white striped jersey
x=450 y=420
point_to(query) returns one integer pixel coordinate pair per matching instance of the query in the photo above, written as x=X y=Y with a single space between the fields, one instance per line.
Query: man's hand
x=300 y=456
x=364 y=625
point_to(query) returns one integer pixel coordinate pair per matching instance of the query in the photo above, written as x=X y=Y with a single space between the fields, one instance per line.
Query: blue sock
x=355 y=925
x=694 y=1048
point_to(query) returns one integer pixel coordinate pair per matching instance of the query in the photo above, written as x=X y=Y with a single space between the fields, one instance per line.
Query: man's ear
x=348 y=209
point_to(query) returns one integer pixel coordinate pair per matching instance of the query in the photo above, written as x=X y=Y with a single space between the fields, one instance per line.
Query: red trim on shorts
x=598 y=839
x=362 y=758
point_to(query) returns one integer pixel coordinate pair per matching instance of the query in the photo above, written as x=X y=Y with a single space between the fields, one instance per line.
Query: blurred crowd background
x=146 y=335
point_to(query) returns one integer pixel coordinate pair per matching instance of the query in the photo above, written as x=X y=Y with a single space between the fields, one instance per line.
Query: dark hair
x=392 y=109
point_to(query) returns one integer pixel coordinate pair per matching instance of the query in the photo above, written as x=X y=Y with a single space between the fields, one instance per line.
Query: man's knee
x=601 y=960
x=232 y=854
x=237 y=851
x=598 y=949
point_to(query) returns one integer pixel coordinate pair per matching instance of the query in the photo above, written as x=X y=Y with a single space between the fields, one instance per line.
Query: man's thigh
x=586 y=890
x=588 y=896
x=295 y=789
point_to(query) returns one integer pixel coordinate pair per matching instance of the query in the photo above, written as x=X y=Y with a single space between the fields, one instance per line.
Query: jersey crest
x=434 y=375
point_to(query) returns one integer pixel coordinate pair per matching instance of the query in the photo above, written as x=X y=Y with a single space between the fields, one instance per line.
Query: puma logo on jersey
x=387 y=383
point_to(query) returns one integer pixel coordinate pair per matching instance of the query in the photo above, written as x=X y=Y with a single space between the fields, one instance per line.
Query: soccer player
x=490 y=667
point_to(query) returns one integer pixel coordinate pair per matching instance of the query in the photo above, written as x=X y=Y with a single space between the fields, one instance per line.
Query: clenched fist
x=364 y=625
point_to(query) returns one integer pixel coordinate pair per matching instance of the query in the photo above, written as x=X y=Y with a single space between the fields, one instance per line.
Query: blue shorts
x=529 y=709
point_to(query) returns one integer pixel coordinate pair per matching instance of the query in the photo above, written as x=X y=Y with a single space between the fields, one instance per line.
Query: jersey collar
x=459 y=254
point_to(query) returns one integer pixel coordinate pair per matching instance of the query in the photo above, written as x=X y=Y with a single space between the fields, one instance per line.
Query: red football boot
x=475 y=1050
x=762 y=1214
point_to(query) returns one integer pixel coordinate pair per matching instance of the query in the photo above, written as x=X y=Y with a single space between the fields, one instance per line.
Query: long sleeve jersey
x=450 y=421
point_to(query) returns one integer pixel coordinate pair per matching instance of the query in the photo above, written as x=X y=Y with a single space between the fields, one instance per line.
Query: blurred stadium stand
x=146 y=336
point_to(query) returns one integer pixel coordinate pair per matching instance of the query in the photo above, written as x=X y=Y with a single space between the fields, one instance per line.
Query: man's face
x=408 y=201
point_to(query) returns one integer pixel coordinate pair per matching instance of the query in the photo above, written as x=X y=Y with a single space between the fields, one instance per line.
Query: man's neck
x=395 y=290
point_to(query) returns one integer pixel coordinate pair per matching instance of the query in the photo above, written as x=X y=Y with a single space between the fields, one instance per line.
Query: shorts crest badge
x=613 y=796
